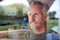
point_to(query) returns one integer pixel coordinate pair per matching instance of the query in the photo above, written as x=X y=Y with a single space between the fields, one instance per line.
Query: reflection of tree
x=10 y=11
x=14 y=11
x=52 y=14
x=19 y=8
x=1 y=10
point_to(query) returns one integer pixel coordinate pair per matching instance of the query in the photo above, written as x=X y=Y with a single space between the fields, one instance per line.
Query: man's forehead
x=35 y=9
x=37 y=5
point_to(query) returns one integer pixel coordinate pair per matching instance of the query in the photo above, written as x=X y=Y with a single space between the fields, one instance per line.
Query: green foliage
x=50 y=24
x=2 y=28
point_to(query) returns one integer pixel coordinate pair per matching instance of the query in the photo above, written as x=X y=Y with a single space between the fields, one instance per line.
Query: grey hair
x=45 y=6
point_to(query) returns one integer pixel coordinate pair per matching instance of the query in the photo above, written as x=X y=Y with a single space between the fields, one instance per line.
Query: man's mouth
x=37 y=28
x=33 y=22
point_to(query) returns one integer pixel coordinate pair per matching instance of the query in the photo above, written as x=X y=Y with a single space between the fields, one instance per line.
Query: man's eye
x=36 y=14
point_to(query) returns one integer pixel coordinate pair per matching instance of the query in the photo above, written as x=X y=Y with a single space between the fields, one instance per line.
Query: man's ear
x=47 y=17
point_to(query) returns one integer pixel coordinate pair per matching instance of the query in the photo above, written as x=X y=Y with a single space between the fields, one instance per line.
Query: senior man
x=37 y=15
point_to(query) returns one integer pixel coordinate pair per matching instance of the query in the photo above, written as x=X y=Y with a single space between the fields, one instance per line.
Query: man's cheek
x=38 y=20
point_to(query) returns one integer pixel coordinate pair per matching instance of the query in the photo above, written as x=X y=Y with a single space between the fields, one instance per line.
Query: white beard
x=33 y=28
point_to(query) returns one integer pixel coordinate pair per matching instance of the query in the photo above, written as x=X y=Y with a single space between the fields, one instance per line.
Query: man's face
x=36 y=17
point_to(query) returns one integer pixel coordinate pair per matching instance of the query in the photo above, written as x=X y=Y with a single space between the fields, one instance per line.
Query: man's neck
x=42 y=30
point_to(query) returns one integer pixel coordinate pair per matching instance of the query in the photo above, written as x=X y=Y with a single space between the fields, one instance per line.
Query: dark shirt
x=38 y=36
